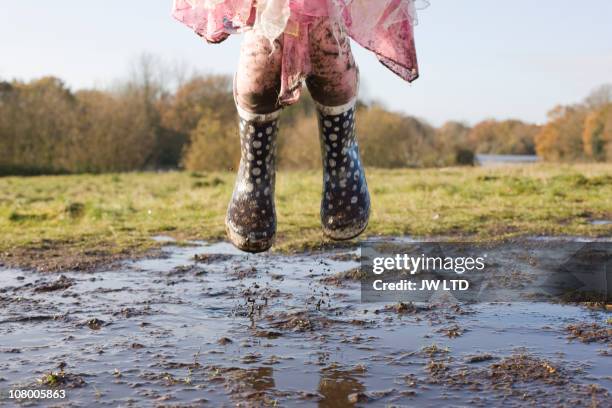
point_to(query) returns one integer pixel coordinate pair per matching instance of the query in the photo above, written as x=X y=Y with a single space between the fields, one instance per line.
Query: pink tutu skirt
x=383 y=26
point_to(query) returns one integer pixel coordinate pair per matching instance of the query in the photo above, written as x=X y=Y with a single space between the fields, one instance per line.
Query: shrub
x=213 y=145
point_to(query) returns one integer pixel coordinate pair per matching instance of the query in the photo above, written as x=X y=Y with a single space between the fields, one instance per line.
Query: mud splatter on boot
x=251 y=216
x=345 y=206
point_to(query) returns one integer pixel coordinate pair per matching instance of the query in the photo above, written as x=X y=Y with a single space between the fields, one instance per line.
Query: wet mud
x=209 y=326
x=335 y=76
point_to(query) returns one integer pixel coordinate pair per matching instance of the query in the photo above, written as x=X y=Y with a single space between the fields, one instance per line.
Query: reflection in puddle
x=210 y=325
x=339 y=388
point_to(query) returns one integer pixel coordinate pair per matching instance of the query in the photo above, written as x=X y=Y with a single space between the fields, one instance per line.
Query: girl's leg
x=345 y=206
x=335 y=76
x=258 y=79
x=251 y=216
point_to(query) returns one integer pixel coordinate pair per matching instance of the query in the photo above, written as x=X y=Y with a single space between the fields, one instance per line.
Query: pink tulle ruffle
x=383 y=26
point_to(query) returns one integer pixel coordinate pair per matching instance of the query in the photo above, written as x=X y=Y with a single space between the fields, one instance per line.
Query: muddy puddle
x=209 y=326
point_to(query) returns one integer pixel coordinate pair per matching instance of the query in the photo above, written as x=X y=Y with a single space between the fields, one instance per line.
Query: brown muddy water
x=210 y=326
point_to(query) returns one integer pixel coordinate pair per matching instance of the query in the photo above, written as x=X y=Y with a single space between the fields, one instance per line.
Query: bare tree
x=599 y=97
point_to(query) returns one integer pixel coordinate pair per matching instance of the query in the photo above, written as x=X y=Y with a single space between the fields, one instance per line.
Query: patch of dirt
x=267 y=334
x=405 y=308
x=512 y=280
x=479 y=358
x=129 y=312
x=95 y=324
x=224 y=341
x=247 y=387
x=61 y=283
x=352 y=275
x=526 y=368
x=212 y=258
x=437 y=368
x=62 y=256
x=590 y=333
x=244 y=273
x=62 y=379
x=452 y=331
x=532 y=380
x=300 y=321
x=434 y=350
x=345 y=258
x=32 y=319
x=187 y=270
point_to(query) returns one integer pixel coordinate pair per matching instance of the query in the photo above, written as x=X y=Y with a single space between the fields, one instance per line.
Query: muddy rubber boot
x=251 y=216
x=345 y=206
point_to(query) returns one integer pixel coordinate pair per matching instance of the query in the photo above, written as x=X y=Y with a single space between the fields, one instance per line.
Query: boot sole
x=345 y=234
x=246 y=244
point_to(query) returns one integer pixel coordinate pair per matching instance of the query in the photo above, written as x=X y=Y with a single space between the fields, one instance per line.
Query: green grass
x=68 y=221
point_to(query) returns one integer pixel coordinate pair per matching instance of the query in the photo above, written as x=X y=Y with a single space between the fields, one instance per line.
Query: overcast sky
x=479 y=58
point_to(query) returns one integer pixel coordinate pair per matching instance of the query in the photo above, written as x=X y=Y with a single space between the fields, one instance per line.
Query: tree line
x=579 y=132
x=142 y=124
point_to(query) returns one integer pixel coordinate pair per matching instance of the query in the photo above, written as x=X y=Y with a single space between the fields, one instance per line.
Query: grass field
x=57 y=222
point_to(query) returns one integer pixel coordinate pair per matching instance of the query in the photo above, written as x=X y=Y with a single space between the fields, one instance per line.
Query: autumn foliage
x=142 y=124
x=581 y=132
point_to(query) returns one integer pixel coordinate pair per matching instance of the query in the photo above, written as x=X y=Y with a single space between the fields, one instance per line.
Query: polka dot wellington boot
x=345 y=207
x=251 y=217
